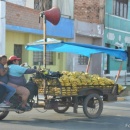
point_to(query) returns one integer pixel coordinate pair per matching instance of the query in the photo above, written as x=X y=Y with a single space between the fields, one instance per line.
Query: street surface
x=115 y=116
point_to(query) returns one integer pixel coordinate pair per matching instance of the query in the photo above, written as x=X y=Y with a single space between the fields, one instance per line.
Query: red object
x=11 y=58
x=53 y=15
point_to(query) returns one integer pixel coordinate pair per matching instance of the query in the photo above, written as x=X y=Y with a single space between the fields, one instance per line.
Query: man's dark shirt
x=5 y=77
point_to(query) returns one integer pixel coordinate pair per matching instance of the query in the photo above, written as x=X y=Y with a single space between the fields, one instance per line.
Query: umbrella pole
x=118 y=74
x=88 y=65
x=44 y=52
x=44 y=41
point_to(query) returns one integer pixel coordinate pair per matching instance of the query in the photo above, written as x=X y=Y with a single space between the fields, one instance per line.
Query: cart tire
x=87 y=102
x=64 y=109
x=61 y=110
x=3 y=114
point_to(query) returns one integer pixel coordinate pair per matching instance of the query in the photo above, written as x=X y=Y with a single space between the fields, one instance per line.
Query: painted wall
x=22 y=28
x=27 y=20
x=19 y=38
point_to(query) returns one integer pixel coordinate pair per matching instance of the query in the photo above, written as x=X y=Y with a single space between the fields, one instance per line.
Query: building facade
x=81 y=21
x=89 y=28
x=84 y=21
x=22 y=27
x=117 y=35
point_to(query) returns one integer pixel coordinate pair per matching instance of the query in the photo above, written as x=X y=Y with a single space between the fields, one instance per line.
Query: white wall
x=18 y=2
x=30 y=4
x=27 y=3
x=96 y=60
x=2 y=27
x=66 y=7
x=89 y=29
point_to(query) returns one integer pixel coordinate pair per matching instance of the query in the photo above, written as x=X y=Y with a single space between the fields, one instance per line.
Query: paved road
x=115 y=116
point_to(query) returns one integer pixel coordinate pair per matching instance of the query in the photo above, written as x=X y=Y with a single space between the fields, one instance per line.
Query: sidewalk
x=120 y=98
x=125 y=98
x=125 y=95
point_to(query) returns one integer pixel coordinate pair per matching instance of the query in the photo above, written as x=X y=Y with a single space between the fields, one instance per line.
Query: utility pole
x=2 y=26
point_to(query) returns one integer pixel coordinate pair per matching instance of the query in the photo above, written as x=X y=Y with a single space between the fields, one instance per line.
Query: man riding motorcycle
x=18 y=81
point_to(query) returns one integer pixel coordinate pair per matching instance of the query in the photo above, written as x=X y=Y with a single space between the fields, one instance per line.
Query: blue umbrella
x=77 y=48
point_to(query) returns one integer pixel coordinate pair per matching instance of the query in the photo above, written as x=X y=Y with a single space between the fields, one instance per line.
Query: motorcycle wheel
x=61 y=110
x=3 y=114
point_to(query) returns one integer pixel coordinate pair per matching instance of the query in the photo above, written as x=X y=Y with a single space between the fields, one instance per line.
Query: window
x=38 y=58
x=118 y=47
x=82 y=60
x=18 y=51
x=42 y=4
x=120 y=8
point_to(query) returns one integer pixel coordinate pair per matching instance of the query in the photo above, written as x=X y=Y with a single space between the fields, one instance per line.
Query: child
x=4 y=80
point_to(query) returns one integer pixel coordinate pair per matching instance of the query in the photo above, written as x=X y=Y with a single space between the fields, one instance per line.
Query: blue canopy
x=78 y=48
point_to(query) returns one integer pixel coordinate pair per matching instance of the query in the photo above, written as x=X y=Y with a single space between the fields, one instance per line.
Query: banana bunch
x=77 y=79
x=40 y=84
x=72 y=82
x=54 y=91
x=120 y=88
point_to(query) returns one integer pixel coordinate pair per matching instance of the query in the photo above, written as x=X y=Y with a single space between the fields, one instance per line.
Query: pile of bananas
x=72 y=82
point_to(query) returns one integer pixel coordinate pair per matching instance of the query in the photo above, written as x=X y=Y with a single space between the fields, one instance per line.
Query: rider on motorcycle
x=18 y=81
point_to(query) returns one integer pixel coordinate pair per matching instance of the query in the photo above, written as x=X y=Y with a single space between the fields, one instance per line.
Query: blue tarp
x=77 y=48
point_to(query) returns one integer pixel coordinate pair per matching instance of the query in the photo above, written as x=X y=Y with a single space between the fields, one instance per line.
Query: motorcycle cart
x=90 y=97
x=60 y=98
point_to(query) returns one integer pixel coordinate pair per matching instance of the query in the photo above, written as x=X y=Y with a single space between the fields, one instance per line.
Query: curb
x=125 y=98
x=121 y=98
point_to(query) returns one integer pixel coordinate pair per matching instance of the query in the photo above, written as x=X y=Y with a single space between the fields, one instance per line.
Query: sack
x=2 y=92
x=32 y=87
